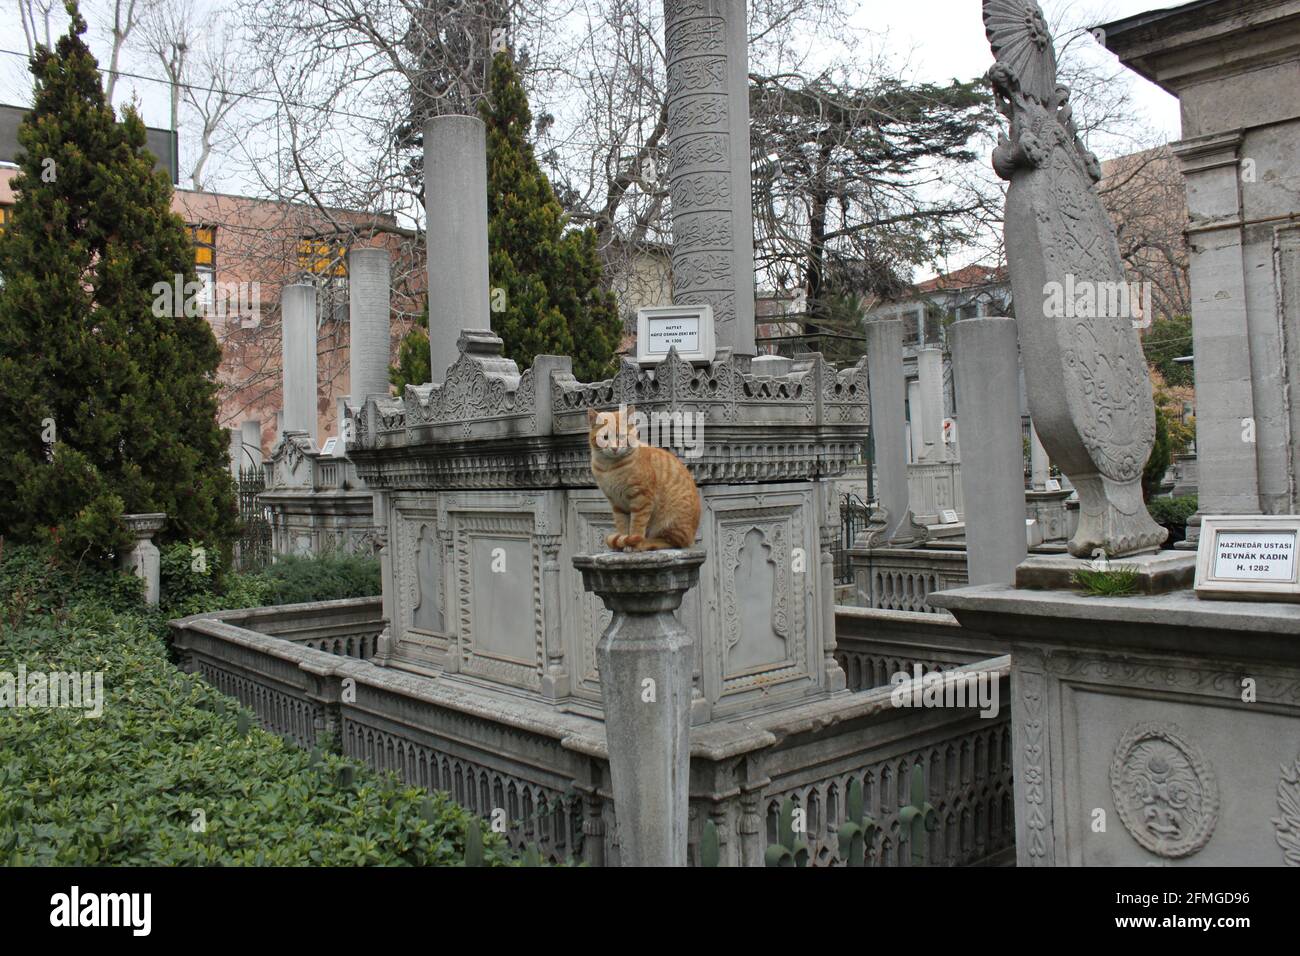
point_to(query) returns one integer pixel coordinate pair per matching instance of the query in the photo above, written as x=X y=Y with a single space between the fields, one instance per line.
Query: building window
x=323 y=257
x=205 y=260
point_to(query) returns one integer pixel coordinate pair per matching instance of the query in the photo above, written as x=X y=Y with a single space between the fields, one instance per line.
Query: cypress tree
x=108 y=391
x=546 y=278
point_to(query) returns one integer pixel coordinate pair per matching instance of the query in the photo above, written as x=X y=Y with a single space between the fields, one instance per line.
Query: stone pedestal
x=645 y=658
x=1174 y=722
x=143 y=559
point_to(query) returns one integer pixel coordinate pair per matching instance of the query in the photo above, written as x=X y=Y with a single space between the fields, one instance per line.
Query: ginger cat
x=655 y=501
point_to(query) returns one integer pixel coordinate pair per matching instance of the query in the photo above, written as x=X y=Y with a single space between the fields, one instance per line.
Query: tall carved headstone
x=929 y=373
x=888 y=430
x=709 y=164
x=298 y=318
x=455 y=203
x=1085 y=375
x=984 y=365
x=368 y=320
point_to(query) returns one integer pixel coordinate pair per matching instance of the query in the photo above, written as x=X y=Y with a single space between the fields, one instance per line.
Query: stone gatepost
x=143 y=558
x=646 y=659
x=984 y=363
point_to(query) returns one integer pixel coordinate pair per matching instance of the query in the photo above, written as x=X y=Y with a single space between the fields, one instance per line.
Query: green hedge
x=123 y=788
x=294 y=580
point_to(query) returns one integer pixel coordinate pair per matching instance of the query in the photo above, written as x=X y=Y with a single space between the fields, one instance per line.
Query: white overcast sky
x=935 y=40
x=943 y=39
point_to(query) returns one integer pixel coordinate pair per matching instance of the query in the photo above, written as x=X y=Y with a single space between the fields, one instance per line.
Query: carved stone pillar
x=645 y=664
x=451 y=663
x=143 y=558
x=384 y=646
x=827 y=514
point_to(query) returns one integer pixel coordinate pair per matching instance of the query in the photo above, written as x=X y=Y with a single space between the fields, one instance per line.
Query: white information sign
x=686 y=328
x=1249 y=557
x=684 y=334
x=1254 y=555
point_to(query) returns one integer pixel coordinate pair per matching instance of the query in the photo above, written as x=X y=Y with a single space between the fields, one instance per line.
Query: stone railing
x=488 y=749
x=966 y=761
x=873 y=645
x=901 y=579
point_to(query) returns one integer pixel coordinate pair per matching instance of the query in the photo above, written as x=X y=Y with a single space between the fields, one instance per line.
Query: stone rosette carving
x=1286 y=824
x=1085 y=376
x=1165 y=791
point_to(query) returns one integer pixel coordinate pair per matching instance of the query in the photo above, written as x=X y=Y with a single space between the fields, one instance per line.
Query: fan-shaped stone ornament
x=1086 y=378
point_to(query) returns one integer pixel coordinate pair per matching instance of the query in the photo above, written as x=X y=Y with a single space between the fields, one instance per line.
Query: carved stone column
x=709 y=167
x=645 y=660
x=555 y=680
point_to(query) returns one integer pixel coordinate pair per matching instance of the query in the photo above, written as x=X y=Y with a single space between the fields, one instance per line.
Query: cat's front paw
x=633 y=541
x=614 y=541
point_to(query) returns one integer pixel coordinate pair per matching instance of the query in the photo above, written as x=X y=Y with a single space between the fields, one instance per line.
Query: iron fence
x=253 y=549
x=853 y=518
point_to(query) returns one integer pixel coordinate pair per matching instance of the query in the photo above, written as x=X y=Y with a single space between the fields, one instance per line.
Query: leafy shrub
x=127 y=787
x=39 y=580
x=294 y=580
x=1173 y=513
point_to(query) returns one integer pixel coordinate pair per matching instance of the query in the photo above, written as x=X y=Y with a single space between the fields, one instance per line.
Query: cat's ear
x=591 y=416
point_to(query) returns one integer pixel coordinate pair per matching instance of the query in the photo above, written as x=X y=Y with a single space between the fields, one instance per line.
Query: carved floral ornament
x=1287 y=823
x=1165 y=790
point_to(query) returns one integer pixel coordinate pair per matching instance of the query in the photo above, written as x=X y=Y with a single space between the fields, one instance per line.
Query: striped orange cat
x=655 y=501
